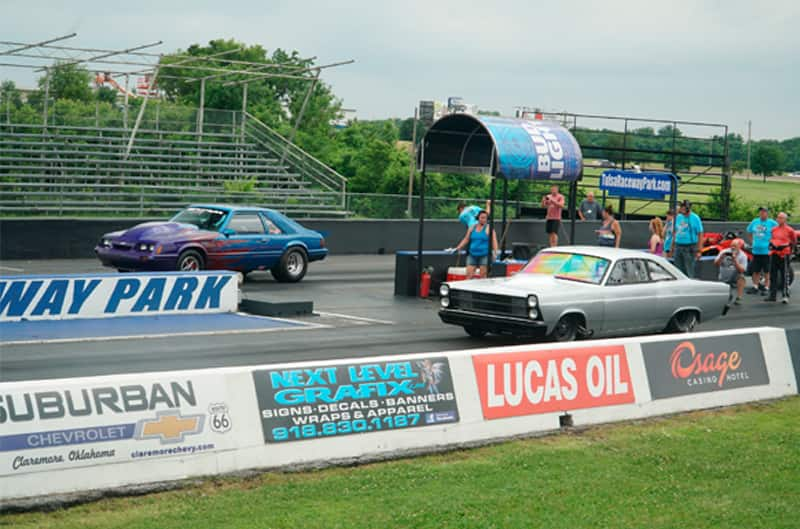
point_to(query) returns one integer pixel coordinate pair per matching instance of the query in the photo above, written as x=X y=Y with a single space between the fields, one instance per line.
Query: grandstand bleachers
x=84 y=170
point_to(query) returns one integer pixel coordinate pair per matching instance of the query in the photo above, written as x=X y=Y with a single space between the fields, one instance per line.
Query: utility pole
x=749 y=126
x=413 y=162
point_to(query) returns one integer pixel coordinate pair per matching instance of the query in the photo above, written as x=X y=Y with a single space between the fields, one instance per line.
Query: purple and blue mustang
x=218 y=238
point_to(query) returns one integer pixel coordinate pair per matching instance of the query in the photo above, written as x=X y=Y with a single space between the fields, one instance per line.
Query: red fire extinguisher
x=425 y=284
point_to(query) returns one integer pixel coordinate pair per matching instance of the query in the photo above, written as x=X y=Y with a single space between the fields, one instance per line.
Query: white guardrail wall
x=77 y=296
x=71 y=435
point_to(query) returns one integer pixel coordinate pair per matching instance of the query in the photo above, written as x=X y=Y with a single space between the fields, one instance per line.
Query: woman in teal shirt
x=477 y=239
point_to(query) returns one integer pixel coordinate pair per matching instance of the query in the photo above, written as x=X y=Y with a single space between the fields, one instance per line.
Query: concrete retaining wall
x=72 y=435
x=76 y=238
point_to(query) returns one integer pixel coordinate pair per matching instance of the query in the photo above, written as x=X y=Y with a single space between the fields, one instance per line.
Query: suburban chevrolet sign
x=651 y=185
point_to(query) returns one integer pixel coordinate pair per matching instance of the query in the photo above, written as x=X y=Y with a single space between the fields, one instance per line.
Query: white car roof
x=600 y=251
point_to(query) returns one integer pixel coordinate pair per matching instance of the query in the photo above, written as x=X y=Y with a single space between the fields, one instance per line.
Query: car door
x=667 y=290
x=629 y=298
x=277 y=239
x=246 y=242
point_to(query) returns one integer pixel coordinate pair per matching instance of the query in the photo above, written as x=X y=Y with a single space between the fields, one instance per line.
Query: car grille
x=122 y=245
x=488 y=303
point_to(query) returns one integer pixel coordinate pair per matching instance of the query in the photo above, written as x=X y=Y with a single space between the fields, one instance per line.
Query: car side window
x=628 y=272
x=272 y=229
x=246 y=224
x=658 y=272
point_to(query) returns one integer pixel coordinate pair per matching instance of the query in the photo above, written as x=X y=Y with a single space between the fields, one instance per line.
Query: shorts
x=552 y=225
x=759 y=264
x=477 y=260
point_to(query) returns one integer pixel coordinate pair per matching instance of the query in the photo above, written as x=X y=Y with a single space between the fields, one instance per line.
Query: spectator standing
x=589 y=208
x=732 y=263
x=760 y=231
x=477 y=242
x=610 y=232
x=468 y=215
x=782 y=244
x=554 y=202
x=656 y=246
x=688 y=237
x=669 y=229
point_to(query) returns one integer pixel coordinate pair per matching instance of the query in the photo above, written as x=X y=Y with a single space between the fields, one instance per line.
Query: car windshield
x=572 y=266
x=203 y=218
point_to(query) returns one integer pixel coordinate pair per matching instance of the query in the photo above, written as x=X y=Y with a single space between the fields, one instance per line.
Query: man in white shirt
x=732 y=263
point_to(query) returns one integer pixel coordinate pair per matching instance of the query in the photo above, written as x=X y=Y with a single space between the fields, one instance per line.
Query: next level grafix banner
x=326 y=401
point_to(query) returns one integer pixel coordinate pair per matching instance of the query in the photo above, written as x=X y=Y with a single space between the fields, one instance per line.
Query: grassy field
x=736 y=467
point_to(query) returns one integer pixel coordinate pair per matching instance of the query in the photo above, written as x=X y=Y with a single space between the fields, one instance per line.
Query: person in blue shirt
x=669 y=229
x=760 y=231
x=468 y=215
x=477 y=242
x=687 y=239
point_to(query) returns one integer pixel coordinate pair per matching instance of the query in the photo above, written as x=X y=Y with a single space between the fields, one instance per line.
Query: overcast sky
x=723 y=61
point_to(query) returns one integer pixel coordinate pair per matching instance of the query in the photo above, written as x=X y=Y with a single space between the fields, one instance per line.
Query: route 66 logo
x=220 y=417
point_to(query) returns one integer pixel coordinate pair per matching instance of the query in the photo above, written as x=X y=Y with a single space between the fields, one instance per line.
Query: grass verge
x=737 y=467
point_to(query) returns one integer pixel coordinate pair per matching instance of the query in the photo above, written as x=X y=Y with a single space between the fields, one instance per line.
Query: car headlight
x=445 y=301
x=105 y=243
x=533 y=301
x=533 y=313
x=444 y=290
x=145 y=247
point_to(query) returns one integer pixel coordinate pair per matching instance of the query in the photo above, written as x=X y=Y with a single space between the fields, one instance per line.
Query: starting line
x=127 y=327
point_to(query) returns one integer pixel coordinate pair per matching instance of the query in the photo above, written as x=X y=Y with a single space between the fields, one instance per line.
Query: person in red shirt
x=781 y=244
x=554 y=202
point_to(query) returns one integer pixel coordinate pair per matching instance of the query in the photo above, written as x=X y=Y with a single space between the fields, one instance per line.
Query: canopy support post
x=490 y=233
x=573 y=199
x=420 y=235
x=505 y=218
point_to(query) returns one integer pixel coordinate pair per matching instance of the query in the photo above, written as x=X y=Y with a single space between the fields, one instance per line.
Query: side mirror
x=227 y=232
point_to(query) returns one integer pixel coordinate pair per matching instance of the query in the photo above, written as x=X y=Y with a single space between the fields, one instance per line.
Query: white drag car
x=571 y=292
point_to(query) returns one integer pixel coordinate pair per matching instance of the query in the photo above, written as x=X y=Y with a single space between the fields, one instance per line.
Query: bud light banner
x=651 y=185
x=702 y=365
x=74 y=296
x=329 y=401
x=532 y=382
x=534 y=150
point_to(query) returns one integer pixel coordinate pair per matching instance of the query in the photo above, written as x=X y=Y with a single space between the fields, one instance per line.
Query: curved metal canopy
x=505 y=147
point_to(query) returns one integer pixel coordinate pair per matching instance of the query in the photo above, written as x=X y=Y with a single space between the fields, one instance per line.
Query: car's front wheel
x=684 y=321
x=292 y=267
x=190 y=261
x=475 y=332
x=566 y=330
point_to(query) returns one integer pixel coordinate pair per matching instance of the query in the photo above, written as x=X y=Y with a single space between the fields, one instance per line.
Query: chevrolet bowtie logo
x=169 y=426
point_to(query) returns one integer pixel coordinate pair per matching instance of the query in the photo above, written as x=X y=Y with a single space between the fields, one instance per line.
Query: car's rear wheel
x=684 y=321
x=566 y=330
x=293 y=266
x=190 y=261
x=475 y=332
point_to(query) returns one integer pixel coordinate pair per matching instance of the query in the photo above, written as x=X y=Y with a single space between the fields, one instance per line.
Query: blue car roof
x=226 y=207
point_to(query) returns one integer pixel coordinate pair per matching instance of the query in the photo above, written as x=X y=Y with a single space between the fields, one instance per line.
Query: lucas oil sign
x=702 y=365
x=532 y=382
x=105 y=295
x=326 y=401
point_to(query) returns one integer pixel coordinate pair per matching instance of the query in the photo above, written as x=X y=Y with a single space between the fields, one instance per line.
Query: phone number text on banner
x=327 y=401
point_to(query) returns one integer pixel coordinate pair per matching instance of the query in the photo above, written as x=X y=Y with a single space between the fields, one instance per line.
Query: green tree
x=767 y=159
x=106 y=95
x=68 y=81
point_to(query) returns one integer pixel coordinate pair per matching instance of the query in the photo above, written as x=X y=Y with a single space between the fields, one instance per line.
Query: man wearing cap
x=782 y=244
x=760 y=231
x=688 y=238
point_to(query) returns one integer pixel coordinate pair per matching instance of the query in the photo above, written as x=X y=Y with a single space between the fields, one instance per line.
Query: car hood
x=162 y=232
x=521 y=285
